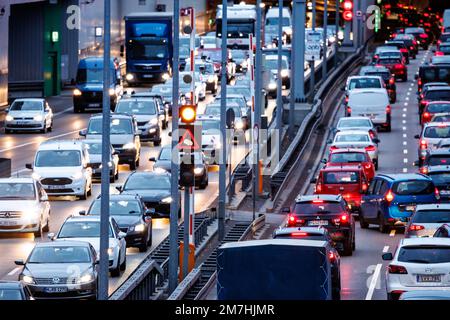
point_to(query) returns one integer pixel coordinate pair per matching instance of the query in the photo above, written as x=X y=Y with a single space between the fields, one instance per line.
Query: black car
x=159 y=99
x=155 y=190
x=400 y=45
x=442 y=232
x=441 y=179
x=328 y=211
x=387 y=77
x=131 y=215
x=14 y=290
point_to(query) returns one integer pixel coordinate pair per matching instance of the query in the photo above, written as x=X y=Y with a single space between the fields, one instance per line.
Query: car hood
x=145 y=117
x=55 y=270
x=25 y=114
x=156 y=194
x=17 y=205
x=163 y=164
x=115 y=138
x=95 y=242
x=126 y=221
x=56 y=172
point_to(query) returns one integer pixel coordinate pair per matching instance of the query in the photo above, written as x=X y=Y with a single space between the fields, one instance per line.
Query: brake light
x=388 y=109
x=421 y=96
x=332 y=256
x=389 y=196
x=319 y=187
x=398 y=66
x=426 y=116
x=424 y=170
x=364 y=187
x=368 y=166
x=370 y=148
x=391 y=81
x=397 y=269
x=439 y=42
x=332 y=148
x=423 y=144
x=299 y=234
x=316 y=201
x=439 y=53
x=436 y=193
x=403 y=50
x=376 y=57
x=416 y=227
x=423 y=36
x=349 y=110
x=419 y=82
x=346 y=99
x=344 y=219
x=372 y=135
x=412 y=48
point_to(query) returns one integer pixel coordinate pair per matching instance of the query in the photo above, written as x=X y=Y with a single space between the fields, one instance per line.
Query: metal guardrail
x=258 y=223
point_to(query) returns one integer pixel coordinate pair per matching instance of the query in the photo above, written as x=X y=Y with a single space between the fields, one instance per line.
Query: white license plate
x=94 y=105
x=428 y=278
x=147 y=76
x=410 y=208
x=55 y=289
x=21 y=122
x=318 y=223
x=56 y=187
x=445 y=192
x=8 y=223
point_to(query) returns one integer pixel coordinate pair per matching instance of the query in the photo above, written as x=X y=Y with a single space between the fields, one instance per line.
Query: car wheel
x=123 y=266
x=47 y=226
x=85 y=194
x=89 y=193
x=116 y=176
x=381 y=226
x=116 y=271
x=375 y=162
x=157 y=143
x=44 y=129
x=362 y=222
x=133 y=166
x=150 y=238
x=143 y=246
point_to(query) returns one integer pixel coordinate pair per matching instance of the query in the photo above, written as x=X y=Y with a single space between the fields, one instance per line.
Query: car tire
x=116 y=176
x=157 y=143
x=85 y=195
x=116 y=271
x=44 y=129
x=46 y=228
x=362 y=222
x=348 y=245
x=123 y=265
x=38 y=233
x=143 y=246
x=381 y=226
x=150 y=238
x=133 y=166
x=375 y=163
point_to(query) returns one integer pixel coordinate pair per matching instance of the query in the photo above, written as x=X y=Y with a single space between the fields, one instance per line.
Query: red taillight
x=316 y=201
x=419 y=82
x=349 y=110
x=398 y=66
x=439 y=53
x=439 y=42
x=397 y=269
x=368 y=166
x=412 y=48
x=403 y=50
x=426 y=116
x=423 y=36
x=423 y=144
x=388 y=109
x=332 y=256
x=436 y=193
x=370 y=148
x=344 y=218
x=416 y=227
x=421 y=96
x=319 y=187
x=332 y=148
x=346 y=99
x=299 y=234
x=372 y=135
x=424 y=170
x=389 y=196
x=376 y=57
x=391 y=81
x=364 y=187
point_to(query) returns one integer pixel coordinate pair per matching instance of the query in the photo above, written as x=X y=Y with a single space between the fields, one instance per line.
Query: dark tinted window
x=118 y=207
x=147 y=181
x=438 y=132
x=388 y=61
x=348 y=157
x=438 y=95
x=439 y=160
x=440 y=178
x=413 y=187
x=425 y=254
x=439 y=107
x=431 y=216
x=10 y=294
x=308 y=208
x=340 y=177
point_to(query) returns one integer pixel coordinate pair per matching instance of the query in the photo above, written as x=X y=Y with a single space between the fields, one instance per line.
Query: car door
x=122 y=243
x=368 y=204
x=382 y=204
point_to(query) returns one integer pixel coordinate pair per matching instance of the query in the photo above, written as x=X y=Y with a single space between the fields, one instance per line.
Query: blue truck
x=148 y=47
x=275 y=269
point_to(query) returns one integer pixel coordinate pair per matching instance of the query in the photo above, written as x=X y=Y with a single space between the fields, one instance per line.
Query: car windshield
x=440 y=178
x=206 y=68
x=94 y=147
x=210 y=125
x=272 y=64
x=26 y=106
x=352 y=138
x=147 y=107
x=437 y=95
x=438 y=160
x=438 y=132
x=117 y=126
x=92 y=75
x=58 y=158
x=166 y=154
x=62 y=254
x=19 y=191
x=317 y=207
x=215 y=111
x=164 y=90
x=243 y=91
x=414 y=30
x=424 y=254
x=360 y=83
x=81 y=229
x=274 y=21
x=354 y=123
x=117 y=208
x=239 y=54
x=413 y=187
x=390 y=54
x=431 y=216
x=10 y=294
x=438 y=107
x=147 y=182
x=340 y=177
x=348 y=157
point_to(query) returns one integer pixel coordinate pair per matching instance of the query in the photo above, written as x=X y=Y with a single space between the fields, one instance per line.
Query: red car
x=431 y=108
x=395 y=65
x=349 y=181
x=351 y=157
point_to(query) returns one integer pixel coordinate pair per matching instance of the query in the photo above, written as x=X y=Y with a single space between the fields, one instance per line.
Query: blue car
x=392 y=198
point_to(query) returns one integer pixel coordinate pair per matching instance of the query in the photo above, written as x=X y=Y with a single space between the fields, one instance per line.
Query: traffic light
x=347 y=15
x=188 y=113
x=187 y=175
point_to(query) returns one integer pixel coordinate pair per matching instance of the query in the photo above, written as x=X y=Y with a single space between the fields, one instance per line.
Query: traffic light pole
x=104 y=200
x=187 y=196
x=312 y=63
x=258 y=90
x=325 y=37
x=280 y=81
x=173 y=252
x=336 y=37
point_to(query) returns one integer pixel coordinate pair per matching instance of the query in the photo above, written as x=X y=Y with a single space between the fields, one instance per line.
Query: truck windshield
x=236 y=28
x=274 y=22
x=140 y=50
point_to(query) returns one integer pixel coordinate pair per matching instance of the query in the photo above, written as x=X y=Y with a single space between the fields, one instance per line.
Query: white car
x=271 y=64
x=360 y=139
x=29 y=115
x=62 y=168
x=87 y=229
x=430 y=138
x=362 y=82
x=211 y=138
x=426 y=219
x=418 y=264
x=24 y=206
x=357 y=123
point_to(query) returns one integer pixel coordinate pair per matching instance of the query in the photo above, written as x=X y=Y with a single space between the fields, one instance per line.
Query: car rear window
x=439 y=107
x=348 y=157
x=340 y=177
x=440 y=178
x=362 y=83
x=439 y=160
x=318 y=207
x=413 y=187
x=438 y=95
x=354 y=123
x=438 y=132
x=385 y=75
x=424 y=254
x=431 y=216
x=352 y=138
x=388 y=60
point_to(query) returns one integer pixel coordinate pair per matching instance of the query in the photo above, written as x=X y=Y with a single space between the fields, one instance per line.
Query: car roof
x=30 y=99
x=363 y=77
x=356 y=167
x=65 y=243
x=113 y=115
x=121 y=196
x=325 y=197
x=403 y=176
x=374 y=69
x=10 y=284
x=353 y=118
x=84 y=218
x=290 y=230
x=368 y=90
x=62 y=145
x=442 y=151
x=149 y=173
x=439 y=88
x=207 y=117
x=17 y=180
x=436 y=124
x=424 y=241
x=433 y=206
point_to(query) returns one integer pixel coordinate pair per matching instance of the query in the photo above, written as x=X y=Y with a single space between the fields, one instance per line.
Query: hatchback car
x=426 y=219
x=14 y=291
x=392 y=198
x=434 y=93
x=396 y=65
x=351 y=157
x=430 y=137
x=400 y=46
x=29 y=115
x=95 y=160
x=357 y=123
x=418 y=264
x=433 y=108
x=435 y=158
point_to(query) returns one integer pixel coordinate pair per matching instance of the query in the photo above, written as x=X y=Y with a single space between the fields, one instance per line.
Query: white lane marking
x=404 y=128
x=392 y=234
x=412 y=84
x=385 y=249
x=374 y=281
x=404 y=115
x=14 y=271
x=405 y=151
x=406 y=103
x=404 y=121
x=38 y=142
x=407 y=98
x=405 y=160
x=63 y=111
x=409 y=93
x=405 y=170
x=405 y=143
x=404 y=109
x=405 y=135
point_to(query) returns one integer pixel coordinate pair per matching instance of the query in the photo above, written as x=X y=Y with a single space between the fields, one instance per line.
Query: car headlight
x=28 y=279
x=244 y=64
x=154 y=121
x=112 y=92
x=110 y=251
x=167 y=200
x=198 y=170
x=38 y=118
x=332 y=39
x=36 y=176
x=86 y=278
x=129 y=77
x=9 y=118
x=139 y=227
x=272 y=86
x=165 y=76
x=288 y=31
x=211 y=79
x=31 y=214
x=239 y=125
x=78 y=175
x=285 y=73
x=129 y=146
x=77 y=92
x=109 y=165
x=159 y=170
x=217 y=144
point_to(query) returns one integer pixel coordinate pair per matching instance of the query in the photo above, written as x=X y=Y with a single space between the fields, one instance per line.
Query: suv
x=328 y=211
x=349 y=181
x=124 y=136
x=435 y=158
x=430 y=137
x=433 y=108
x=62 y=168
x=392 y=198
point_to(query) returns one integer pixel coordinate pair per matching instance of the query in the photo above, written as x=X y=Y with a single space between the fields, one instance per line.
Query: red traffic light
x=347 y=15
x=348 y=5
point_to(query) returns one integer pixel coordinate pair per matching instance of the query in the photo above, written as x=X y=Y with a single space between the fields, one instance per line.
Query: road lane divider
x=373 y=282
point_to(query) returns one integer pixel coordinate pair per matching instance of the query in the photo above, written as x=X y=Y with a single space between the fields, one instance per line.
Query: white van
x=372 y=103
x=271 y=24
x=62 y=168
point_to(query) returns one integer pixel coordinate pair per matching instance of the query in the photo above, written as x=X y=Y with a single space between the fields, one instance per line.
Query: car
x=236 y=99
x=387 y=77
x=441 y=179
x=87 y=228
x=441 y=93
x=356 y=123
x=211 y=138
x=14 y=291
x=426 y=86
x=24 y=206
x=330 y=212
x=124 y=135
x=163 y=162
x=207 y=74
x=378 y=50
x=155 y=190
x=410 y=42
x=425 y=295
x=372 y=103
x=316 y=234
x=441 y=117
x=241 y=58
x=61 y=168
x=432 y=133
x=440 y=60
x=132 y=217
x=186 y=88
x=418 y=264
x=95 y=160
x=29 y=115
x=444 y=49
x=400 y=45
x=426 y=219
x=444 y=38
x=395 y=65
x=391 y=199
x=439 y=157
x=356 y=139
x=48 y=271
x=214 y=55
x=241 y=121
x=165 y=91
x=271 y=64
x=392 y=53
x=421 y=36
x=163 y=106
x=351 y=157
x=443 y=231
x=362 y=82
x=349 y=181
x=148 y=118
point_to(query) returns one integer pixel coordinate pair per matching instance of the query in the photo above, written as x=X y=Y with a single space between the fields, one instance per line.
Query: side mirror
x=416 y=76
x=97 y=262
x=342 y=88
x=387 y=257
x=329 y=141
x=286 y=210
x=152 y=159
x=148 y=213
x=313 y=180
x=376 y=140
x=121 y=235
x=82 y=133
x=416 y=163
x=7 y=109
x=170 y=134
x=19 y=263
x=82 y=212
x=138 y=132
x=324 y=161
x=51 y=236
x=119 y=188
x=417 y=136
x=29 y=166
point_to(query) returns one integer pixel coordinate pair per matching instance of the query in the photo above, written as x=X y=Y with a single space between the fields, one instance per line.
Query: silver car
x=29 y=115
x=95 y=160
x=432 y=134
x=427 y=219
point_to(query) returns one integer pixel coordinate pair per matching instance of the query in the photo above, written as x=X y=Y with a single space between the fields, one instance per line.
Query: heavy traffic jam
x=378 y=198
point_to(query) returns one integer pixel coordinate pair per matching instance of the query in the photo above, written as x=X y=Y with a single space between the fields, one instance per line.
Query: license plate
x=56 y=187
x=318 y=223
x=94 y=105
x=428 y=278
x=8 y=223
x=55 y=289
x=410 y=208
x=445 y=192
x=147 y=76
x=21 y=122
